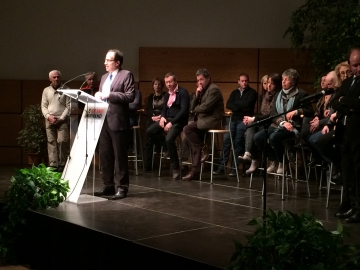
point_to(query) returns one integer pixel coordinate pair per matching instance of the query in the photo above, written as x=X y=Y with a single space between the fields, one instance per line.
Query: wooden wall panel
x=11 y=100
x=279 y=60
x=10 y=126
x=226 y=89
x=224 y=64
x=10 y=156
x=32 y=91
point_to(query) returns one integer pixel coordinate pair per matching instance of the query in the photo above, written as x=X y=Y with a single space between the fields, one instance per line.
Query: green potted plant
x=39 y=187
x=290 y=241
x=33 y=136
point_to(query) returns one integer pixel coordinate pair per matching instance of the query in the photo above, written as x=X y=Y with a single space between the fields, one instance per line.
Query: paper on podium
x=87 y=136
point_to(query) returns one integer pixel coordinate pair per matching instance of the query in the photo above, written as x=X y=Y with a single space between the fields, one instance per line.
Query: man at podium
x=117 y=89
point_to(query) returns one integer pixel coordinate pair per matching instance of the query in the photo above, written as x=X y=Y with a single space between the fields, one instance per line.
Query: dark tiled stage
x=193 y=220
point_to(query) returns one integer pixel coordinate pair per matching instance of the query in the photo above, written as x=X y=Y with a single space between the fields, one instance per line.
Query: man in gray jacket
x=208 y=107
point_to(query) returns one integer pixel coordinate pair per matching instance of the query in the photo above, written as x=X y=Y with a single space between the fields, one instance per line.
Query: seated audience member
x=208 y=107
x=343 y=71
x=174 y=117
x=92 y=84
x=284 y=126
x=241 y=102
x=321 y=116
x=251 y=152
x=322 y=142
x=153 y=109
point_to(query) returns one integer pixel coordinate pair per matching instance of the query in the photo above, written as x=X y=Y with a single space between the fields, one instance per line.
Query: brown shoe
x=191 y=176
x=205 y=153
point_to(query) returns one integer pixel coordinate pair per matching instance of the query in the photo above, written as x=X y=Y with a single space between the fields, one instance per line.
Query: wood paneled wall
x=224 y=64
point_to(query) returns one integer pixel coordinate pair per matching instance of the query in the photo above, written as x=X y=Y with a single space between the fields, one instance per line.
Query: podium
x=84 y=144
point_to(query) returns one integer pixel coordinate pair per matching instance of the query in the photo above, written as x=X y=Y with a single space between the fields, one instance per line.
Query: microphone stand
x=266 y=124
x=62 y=86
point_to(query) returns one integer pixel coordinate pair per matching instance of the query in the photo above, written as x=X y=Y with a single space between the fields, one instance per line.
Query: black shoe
x=121 y=194
x=355 y=218
x=344 y=213
x=106 y=191
x=176 y=173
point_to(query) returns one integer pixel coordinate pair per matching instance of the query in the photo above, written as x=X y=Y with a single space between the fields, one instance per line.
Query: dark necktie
x=111 y=77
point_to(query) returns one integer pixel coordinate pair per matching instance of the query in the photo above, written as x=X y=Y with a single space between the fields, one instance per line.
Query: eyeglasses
x=109 y=60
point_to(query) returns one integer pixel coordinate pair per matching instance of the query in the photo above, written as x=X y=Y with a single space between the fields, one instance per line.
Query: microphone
x=77 y=95
x=62 y=87
x=318 y=95
x=93 y=73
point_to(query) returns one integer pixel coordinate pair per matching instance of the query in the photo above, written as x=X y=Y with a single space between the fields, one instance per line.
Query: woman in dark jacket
x=273 y=87
x=154 y=108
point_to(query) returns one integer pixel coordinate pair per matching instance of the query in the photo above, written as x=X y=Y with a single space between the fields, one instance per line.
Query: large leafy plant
x=39 y=187
x=290 y=241
x=329 y=28
x=33 y=136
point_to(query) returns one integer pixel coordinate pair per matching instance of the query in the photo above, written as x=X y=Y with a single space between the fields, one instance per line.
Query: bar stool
x=136 y=136
x=287 y=170
x=212 y=133
x=329 y=187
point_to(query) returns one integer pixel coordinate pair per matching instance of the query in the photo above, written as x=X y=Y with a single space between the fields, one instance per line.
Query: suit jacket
x=348 y=106
x=208 y=108
x=122 y=92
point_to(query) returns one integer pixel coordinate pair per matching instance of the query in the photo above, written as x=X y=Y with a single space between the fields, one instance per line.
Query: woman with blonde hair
x=343 y=71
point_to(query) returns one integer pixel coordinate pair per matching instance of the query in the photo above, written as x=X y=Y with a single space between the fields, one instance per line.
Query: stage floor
x=194 y=219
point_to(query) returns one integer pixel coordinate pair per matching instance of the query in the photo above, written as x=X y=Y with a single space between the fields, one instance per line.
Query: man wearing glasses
x=117 y=89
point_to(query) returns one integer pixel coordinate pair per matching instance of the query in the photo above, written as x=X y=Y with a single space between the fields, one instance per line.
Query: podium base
x=85 y=198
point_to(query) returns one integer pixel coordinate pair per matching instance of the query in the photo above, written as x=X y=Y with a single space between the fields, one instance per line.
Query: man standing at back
x=117 y=89
x=55 y=108
x=208 y=107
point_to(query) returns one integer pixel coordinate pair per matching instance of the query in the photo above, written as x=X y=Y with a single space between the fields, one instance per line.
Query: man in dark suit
x=117 y=89
x=208 y=107
x=174 y=117
x=347 y=104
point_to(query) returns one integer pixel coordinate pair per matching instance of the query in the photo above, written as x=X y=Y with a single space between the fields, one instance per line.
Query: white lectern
x=83 y=148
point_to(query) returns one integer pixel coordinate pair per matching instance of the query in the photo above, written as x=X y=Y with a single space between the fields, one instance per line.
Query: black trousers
x=157 y=135
x=350 y=164
x=113 y=148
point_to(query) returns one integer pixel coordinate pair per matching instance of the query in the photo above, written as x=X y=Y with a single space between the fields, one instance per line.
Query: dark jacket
x=208 y=108
x=348 y=106
x=135 y=106
x=121 y=94
x=179 y=111
x=243 y=105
